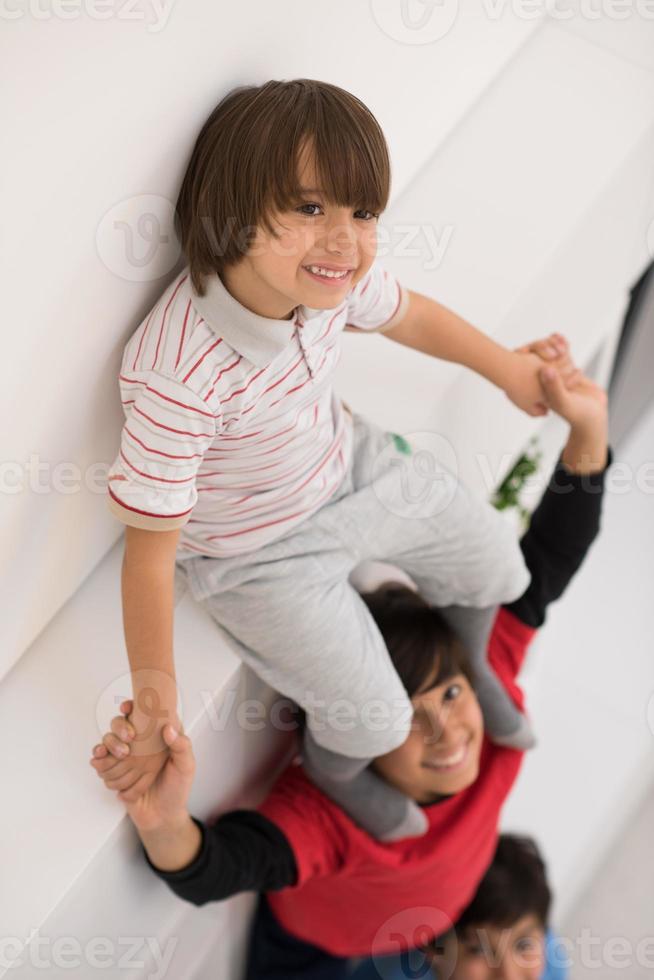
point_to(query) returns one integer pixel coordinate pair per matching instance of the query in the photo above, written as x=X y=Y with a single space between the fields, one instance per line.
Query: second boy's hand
x=160 y=813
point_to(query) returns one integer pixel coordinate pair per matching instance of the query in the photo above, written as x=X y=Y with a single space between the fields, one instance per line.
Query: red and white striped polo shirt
x=233 y=432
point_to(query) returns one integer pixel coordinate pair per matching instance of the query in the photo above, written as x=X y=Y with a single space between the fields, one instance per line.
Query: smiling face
x=441 y=754
x=317 y=253
x=488 y=952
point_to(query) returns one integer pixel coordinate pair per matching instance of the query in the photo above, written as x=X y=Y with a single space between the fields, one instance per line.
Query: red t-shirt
x=357 y=896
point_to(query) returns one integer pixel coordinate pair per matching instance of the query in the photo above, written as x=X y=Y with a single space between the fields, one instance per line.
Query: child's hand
x=153 y=801
x=146 y=750
x=556 y=351
x=583 y=404
x=524 y=386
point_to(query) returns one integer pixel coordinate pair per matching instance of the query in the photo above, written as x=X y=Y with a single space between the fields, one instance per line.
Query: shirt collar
x=258 y=338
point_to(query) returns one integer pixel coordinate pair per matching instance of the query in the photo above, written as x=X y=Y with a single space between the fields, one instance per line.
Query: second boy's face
x=487 y=952
x=313 y=235
x=441 y=754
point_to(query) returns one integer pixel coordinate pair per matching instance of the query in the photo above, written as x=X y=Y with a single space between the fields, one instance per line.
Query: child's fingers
x=126 y=706
x=545 y=349
x=115 y=745
x=109 y=763
x=124 y=781
x=573 y=378
x=122 y=728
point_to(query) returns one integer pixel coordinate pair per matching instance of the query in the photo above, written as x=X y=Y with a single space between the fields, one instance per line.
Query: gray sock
x=504 y=723
x=376 y=806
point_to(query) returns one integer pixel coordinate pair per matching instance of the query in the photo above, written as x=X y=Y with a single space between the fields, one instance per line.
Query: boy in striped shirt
x=239 y=463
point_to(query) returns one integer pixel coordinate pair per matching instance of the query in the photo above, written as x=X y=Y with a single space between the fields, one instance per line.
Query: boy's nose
x=508 y=969
x=342 y=236
x=437 y=725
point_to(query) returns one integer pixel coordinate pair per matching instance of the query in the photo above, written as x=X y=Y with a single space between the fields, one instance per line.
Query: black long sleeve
x=562 y=529
x=241 y=851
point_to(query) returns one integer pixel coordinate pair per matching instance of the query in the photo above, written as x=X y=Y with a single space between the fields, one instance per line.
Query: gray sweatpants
x=303 y=627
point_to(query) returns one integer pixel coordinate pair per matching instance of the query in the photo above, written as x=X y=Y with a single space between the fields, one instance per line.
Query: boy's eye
x=452 y=692
x=312 y=214
x=526 y=945
x=307 y=206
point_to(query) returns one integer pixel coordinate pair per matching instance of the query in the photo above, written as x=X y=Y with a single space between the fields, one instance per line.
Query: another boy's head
x=501 y=934
x=283 y=176
x=441 y=754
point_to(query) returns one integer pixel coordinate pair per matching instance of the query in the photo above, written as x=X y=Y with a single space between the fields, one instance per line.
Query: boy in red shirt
x=332 y=890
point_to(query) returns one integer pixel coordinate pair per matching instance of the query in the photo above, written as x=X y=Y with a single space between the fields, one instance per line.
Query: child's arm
x=147 y=584
x=432 y=328
x=567 y=519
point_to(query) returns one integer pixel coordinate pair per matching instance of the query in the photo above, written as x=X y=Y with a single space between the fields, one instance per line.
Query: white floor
x=612 y=926
x=614 y=922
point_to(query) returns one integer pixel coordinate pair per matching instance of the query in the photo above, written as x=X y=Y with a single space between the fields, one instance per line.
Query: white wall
x=532 y=140
x=116 y=122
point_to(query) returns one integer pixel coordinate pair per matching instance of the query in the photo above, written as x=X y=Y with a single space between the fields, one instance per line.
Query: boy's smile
x=328 y=274
x=320 y=252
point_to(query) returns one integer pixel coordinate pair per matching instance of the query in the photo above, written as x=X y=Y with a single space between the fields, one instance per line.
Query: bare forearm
x=173 y=847
x=438 y=331
x=148 y=613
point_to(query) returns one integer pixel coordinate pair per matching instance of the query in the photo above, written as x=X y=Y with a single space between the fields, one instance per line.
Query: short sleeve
x=507 y=649
x=305 y=817
x=167 y=431
x=378 y=302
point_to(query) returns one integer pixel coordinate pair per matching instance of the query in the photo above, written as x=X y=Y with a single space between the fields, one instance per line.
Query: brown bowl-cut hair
x=245 y=162
x=424 y=650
